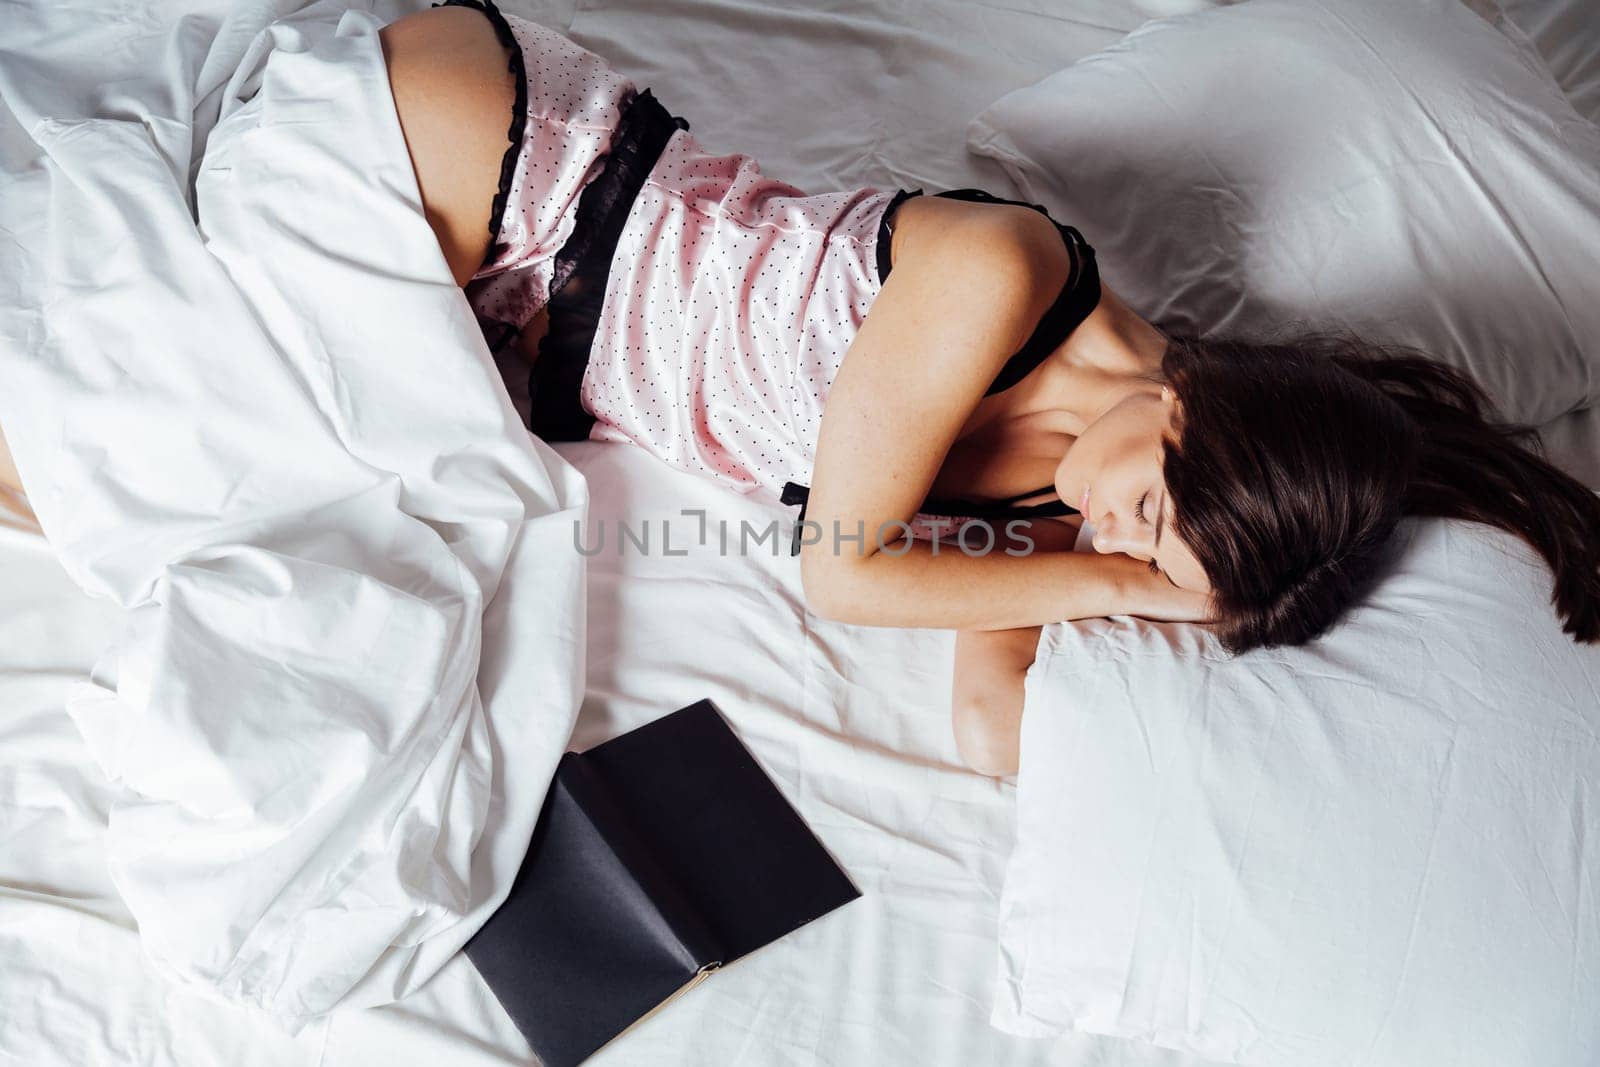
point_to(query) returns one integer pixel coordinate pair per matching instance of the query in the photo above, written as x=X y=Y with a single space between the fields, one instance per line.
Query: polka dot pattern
x=732 y=297
x=732 y=300
x=575 y=100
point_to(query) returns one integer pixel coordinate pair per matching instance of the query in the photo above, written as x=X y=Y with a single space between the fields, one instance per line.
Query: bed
x=852 y=723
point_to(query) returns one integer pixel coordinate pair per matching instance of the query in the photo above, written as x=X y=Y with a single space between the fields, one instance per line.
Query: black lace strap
x=581 y=272
x=1078 y=298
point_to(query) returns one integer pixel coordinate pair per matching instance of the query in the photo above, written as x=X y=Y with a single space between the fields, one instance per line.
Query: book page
x=701 y=975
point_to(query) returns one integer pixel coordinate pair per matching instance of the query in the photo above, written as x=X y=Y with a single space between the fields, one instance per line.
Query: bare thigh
x=454 y=92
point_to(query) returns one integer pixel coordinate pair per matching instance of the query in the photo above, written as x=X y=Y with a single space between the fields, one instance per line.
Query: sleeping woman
x=941 y=382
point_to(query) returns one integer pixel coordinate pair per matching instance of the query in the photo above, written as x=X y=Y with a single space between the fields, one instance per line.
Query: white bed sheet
x=852 y=722
x=233 y=432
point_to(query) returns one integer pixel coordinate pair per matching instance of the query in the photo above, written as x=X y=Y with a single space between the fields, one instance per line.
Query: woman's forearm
x=994 y=591
x=987 y=692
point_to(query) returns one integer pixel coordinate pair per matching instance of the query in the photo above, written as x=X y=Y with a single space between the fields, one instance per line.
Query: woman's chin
x=1067 y=487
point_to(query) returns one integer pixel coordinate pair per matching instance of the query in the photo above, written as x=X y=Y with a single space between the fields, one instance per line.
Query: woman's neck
x=1110 y=355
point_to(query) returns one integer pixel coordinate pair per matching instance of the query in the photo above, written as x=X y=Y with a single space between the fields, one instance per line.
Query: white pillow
x=1404 y=169
x=1379 y=849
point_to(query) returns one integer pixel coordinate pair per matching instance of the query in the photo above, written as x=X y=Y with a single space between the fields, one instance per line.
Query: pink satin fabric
x=732 y=296
x=575 y=100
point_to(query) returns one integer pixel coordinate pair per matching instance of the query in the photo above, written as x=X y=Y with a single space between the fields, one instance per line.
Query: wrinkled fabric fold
x=267 y=426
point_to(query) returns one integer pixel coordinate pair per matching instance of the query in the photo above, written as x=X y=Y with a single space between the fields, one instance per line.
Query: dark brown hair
x=1296 y=459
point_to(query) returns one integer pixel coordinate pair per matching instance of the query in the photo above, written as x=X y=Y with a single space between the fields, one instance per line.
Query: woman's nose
x=1112 y=535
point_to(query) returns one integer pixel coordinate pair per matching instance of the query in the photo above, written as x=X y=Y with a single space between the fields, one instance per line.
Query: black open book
x=660 y=856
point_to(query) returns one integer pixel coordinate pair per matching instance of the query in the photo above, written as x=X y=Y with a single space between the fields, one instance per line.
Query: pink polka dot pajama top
x=730 y=298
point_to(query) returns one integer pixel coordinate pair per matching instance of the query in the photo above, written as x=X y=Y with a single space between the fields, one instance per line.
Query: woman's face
x=1116 y=462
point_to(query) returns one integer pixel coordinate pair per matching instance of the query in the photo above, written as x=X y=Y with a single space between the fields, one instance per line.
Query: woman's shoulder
x=920 y=221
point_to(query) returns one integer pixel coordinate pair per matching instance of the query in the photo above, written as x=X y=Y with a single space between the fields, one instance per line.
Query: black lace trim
x=583 y=265
x=519 y=117
x=580 y=268
x=641 y=136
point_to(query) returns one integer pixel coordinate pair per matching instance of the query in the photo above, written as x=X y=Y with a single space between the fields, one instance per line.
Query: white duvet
x=277 y=438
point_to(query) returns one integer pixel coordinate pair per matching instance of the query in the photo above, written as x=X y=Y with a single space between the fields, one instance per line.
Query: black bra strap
x=1002 y=509
x=1078 y=297
x=886 y=231
x=795 y=493
x=1077 y=300
x=1051 y=489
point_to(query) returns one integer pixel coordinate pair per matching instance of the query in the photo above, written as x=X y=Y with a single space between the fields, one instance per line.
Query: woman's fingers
x=1151 y=596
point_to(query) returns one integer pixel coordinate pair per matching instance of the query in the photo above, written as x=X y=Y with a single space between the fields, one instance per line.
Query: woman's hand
x=1152 y=596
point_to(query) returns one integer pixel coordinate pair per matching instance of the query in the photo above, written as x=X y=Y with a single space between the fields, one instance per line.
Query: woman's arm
x=997 y=592
x=986 y=685
x=986 y=694
x=965 y=294
x=963 y=297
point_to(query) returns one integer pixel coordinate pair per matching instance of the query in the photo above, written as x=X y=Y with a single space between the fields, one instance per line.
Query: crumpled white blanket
x=354 y=637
